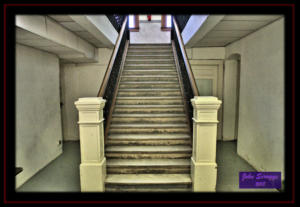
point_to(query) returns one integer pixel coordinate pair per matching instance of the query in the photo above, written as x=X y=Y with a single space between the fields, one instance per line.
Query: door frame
x=220 y=82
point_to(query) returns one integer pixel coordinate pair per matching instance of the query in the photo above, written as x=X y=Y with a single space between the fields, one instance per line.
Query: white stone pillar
x=91 y=130
x=203 y=161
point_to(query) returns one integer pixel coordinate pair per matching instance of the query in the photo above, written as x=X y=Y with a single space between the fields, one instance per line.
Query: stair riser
x=148 y=169
x=149 y=102
x=148 y=65
x=145 y=57
x=149 y=93
x=141 y=79
x=147 y=86
x=157 y=60
x=151 y=50
x=149 y=68
x=158 y=53
x=151 y=47
x=149 y=72
x=149 y=120
x=157 y=155
x=146 y=188
x=149 y=110
x=147 y=130
x=154 y=142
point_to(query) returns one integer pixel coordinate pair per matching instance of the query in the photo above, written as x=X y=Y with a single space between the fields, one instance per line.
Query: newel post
x=203 y=161
x=91 y=131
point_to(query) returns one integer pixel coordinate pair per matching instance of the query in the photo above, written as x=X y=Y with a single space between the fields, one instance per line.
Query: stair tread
x=156 y=59
x=148 y=162
x=149 y=64
x=153 y=70
x=140 y=179
x=160 y=55
x=148 y=106
x=149 y=136
x=148 y=76
x=149 y=115
x=146 y=125
x=146 y=190
x=148 y=82
x=149 y=89
x=148 y=97
x=167 y=49
x=142 y=148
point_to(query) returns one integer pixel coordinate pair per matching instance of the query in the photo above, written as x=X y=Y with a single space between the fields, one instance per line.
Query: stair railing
x=92 y=112
x=109 y=86
x=202 y=111
x=186 y=74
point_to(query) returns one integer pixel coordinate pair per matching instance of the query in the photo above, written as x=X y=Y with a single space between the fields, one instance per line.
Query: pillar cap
x=90 y=102
x=206 y=101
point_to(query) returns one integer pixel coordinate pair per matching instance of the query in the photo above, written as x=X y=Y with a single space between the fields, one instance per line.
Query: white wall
x=150 y=33
x=261 y=110
x=38 y=118
x=77 y=81
x=206 y=53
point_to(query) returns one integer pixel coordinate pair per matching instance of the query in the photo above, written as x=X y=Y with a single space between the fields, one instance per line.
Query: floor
x=62 y=174
x=150 y=33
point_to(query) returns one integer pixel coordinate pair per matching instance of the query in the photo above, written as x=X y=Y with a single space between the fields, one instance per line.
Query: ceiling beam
x=43 y=33
x=99 y=27
x=197 y=27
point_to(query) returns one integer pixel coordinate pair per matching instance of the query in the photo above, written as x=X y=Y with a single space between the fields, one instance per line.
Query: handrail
x=186 y=62
x=112 y=60
x=112 y=106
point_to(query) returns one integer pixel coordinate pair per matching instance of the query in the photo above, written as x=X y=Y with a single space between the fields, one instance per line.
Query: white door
x=209 y=80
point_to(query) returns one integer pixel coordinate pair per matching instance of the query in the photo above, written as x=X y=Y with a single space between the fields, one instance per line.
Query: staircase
x=148 y=147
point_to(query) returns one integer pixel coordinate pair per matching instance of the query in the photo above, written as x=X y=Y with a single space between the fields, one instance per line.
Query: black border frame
x=9 y=194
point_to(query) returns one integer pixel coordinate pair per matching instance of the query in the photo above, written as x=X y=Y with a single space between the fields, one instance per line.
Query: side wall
x=261 y=104
x=77 y=81
x=38 y=118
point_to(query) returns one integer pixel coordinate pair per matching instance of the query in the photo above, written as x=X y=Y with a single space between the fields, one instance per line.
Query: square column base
x=92 y=176
x=204 y=176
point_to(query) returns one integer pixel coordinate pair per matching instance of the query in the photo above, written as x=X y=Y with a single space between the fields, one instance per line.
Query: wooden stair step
x=148 y=162
x=149 y=115
x=149 y=89
x=149 y=106
x=149 y=76
x=149 y=65
x=148 y=149
x=149 y=97
x=147 y=189
x=149 y=179
x=149 y=136
x=143 y=78
x=149 y=166
x=148 y=126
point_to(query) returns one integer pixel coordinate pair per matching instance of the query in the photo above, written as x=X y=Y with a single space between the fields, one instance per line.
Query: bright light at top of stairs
x=169 y=21
x=131 y=21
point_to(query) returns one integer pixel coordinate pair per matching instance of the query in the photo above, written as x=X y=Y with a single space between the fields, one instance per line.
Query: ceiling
x=67 y=22
x=232 y=28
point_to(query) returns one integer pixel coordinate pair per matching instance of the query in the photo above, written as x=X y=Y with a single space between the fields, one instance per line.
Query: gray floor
x=62 y=174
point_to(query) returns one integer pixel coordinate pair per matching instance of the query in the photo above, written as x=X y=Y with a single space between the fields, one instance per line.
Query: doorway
x=209 y=80
x=155 y=31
